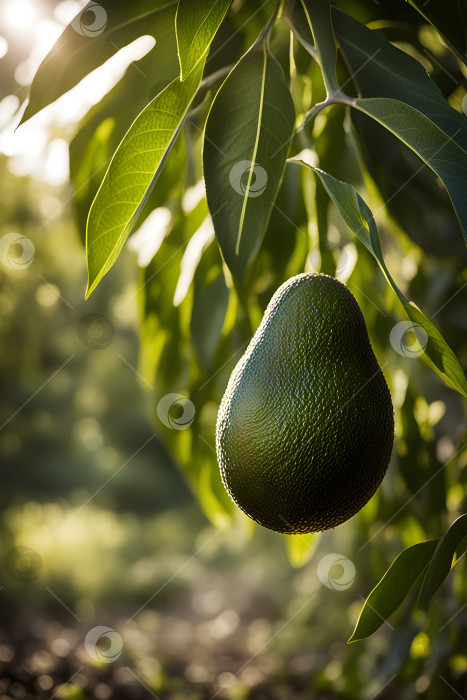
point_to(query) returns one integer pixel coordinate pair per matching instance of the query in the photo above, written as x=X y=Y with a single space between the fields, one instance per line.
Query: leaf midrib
x=255 y=152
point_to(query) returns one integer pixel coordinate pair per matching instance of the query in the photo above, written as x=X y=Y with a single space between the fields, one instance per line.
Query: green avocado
x=306 y=426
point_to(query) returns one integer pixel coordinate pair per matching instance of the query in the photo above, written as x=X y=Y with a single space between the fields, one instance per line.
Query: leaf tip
x=92 y=284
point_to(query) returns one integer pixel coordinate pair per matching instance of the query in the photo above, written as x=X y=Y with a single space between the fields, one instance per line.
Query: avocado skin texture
x=306 y=426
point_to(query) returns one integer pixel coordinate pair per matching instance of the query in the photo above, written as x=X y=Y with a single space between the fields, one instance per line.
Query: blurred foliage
x=202 y=606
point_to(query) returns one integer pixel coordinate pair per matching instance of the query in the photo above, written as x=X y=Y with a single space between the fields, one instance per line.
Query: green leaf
x=442 y=560
x=196 y=26
x=449 y=18
x=393 y=588
x=210 y=301
x=359 y=218
x=92 y=37
x=318 y=14
x=132 y=173
x=247 y=137
x=380 y=69
x=414 y=109
x=436 y=148
x=300 y=548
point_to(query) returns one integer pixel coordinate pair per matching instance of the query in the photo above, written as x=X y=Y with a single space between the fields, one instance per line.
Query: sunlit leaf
x=442 y=560
x=359 y=218
x=393 y=588
x=196 y=25
x=248 y=133
x=132 y=173
x=97 y=32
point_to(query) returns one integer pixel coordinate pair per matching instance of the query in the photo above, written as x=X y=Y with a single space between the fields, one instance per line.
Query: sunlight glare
x=3 y=47
x=146 y=241
x=20 y=14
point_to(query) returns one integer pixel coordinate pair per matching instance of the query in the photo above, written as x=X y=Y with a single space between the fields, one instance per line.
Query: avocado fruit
x=306 y=426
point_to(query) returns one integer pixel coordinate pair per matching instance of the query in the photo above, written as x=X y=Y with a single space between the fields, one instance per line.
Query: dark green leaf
x=210 y=301
x=442 y=560
x=196 y=25
x=436 y=148
x=132 y=173
x=318 y=14
x=248 y=133
x=449 y=18
x=92 y=37
x=393 y=588
x=380 y=69
x=360 y=220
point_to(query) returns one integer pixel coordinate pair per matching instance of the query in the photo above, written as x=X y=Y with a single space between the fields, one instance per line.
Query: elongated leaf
x=209 y=308
x=248 y=133
x=359 y=218
x=132 y=173
x=97 y=32
x=449 y=18
x=380 y=69
x=318 y=14
x=442 y=559
x=196 y=26
x=393 y=588
x=436 y=148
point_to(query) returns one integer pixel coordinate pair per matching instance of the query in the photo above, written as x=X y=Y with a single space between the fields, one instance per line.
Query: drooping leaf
x=210 y=301
x=166 y=364
x=393 y=588
x=132 y=173
x=380 y=69
x=436 y=148
x=442 y=560
x=196 y=25
x=97 y=32
x=359 y=218
x=247 y=137
x=412 y=196
x=318 y=14
x=450 y=20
